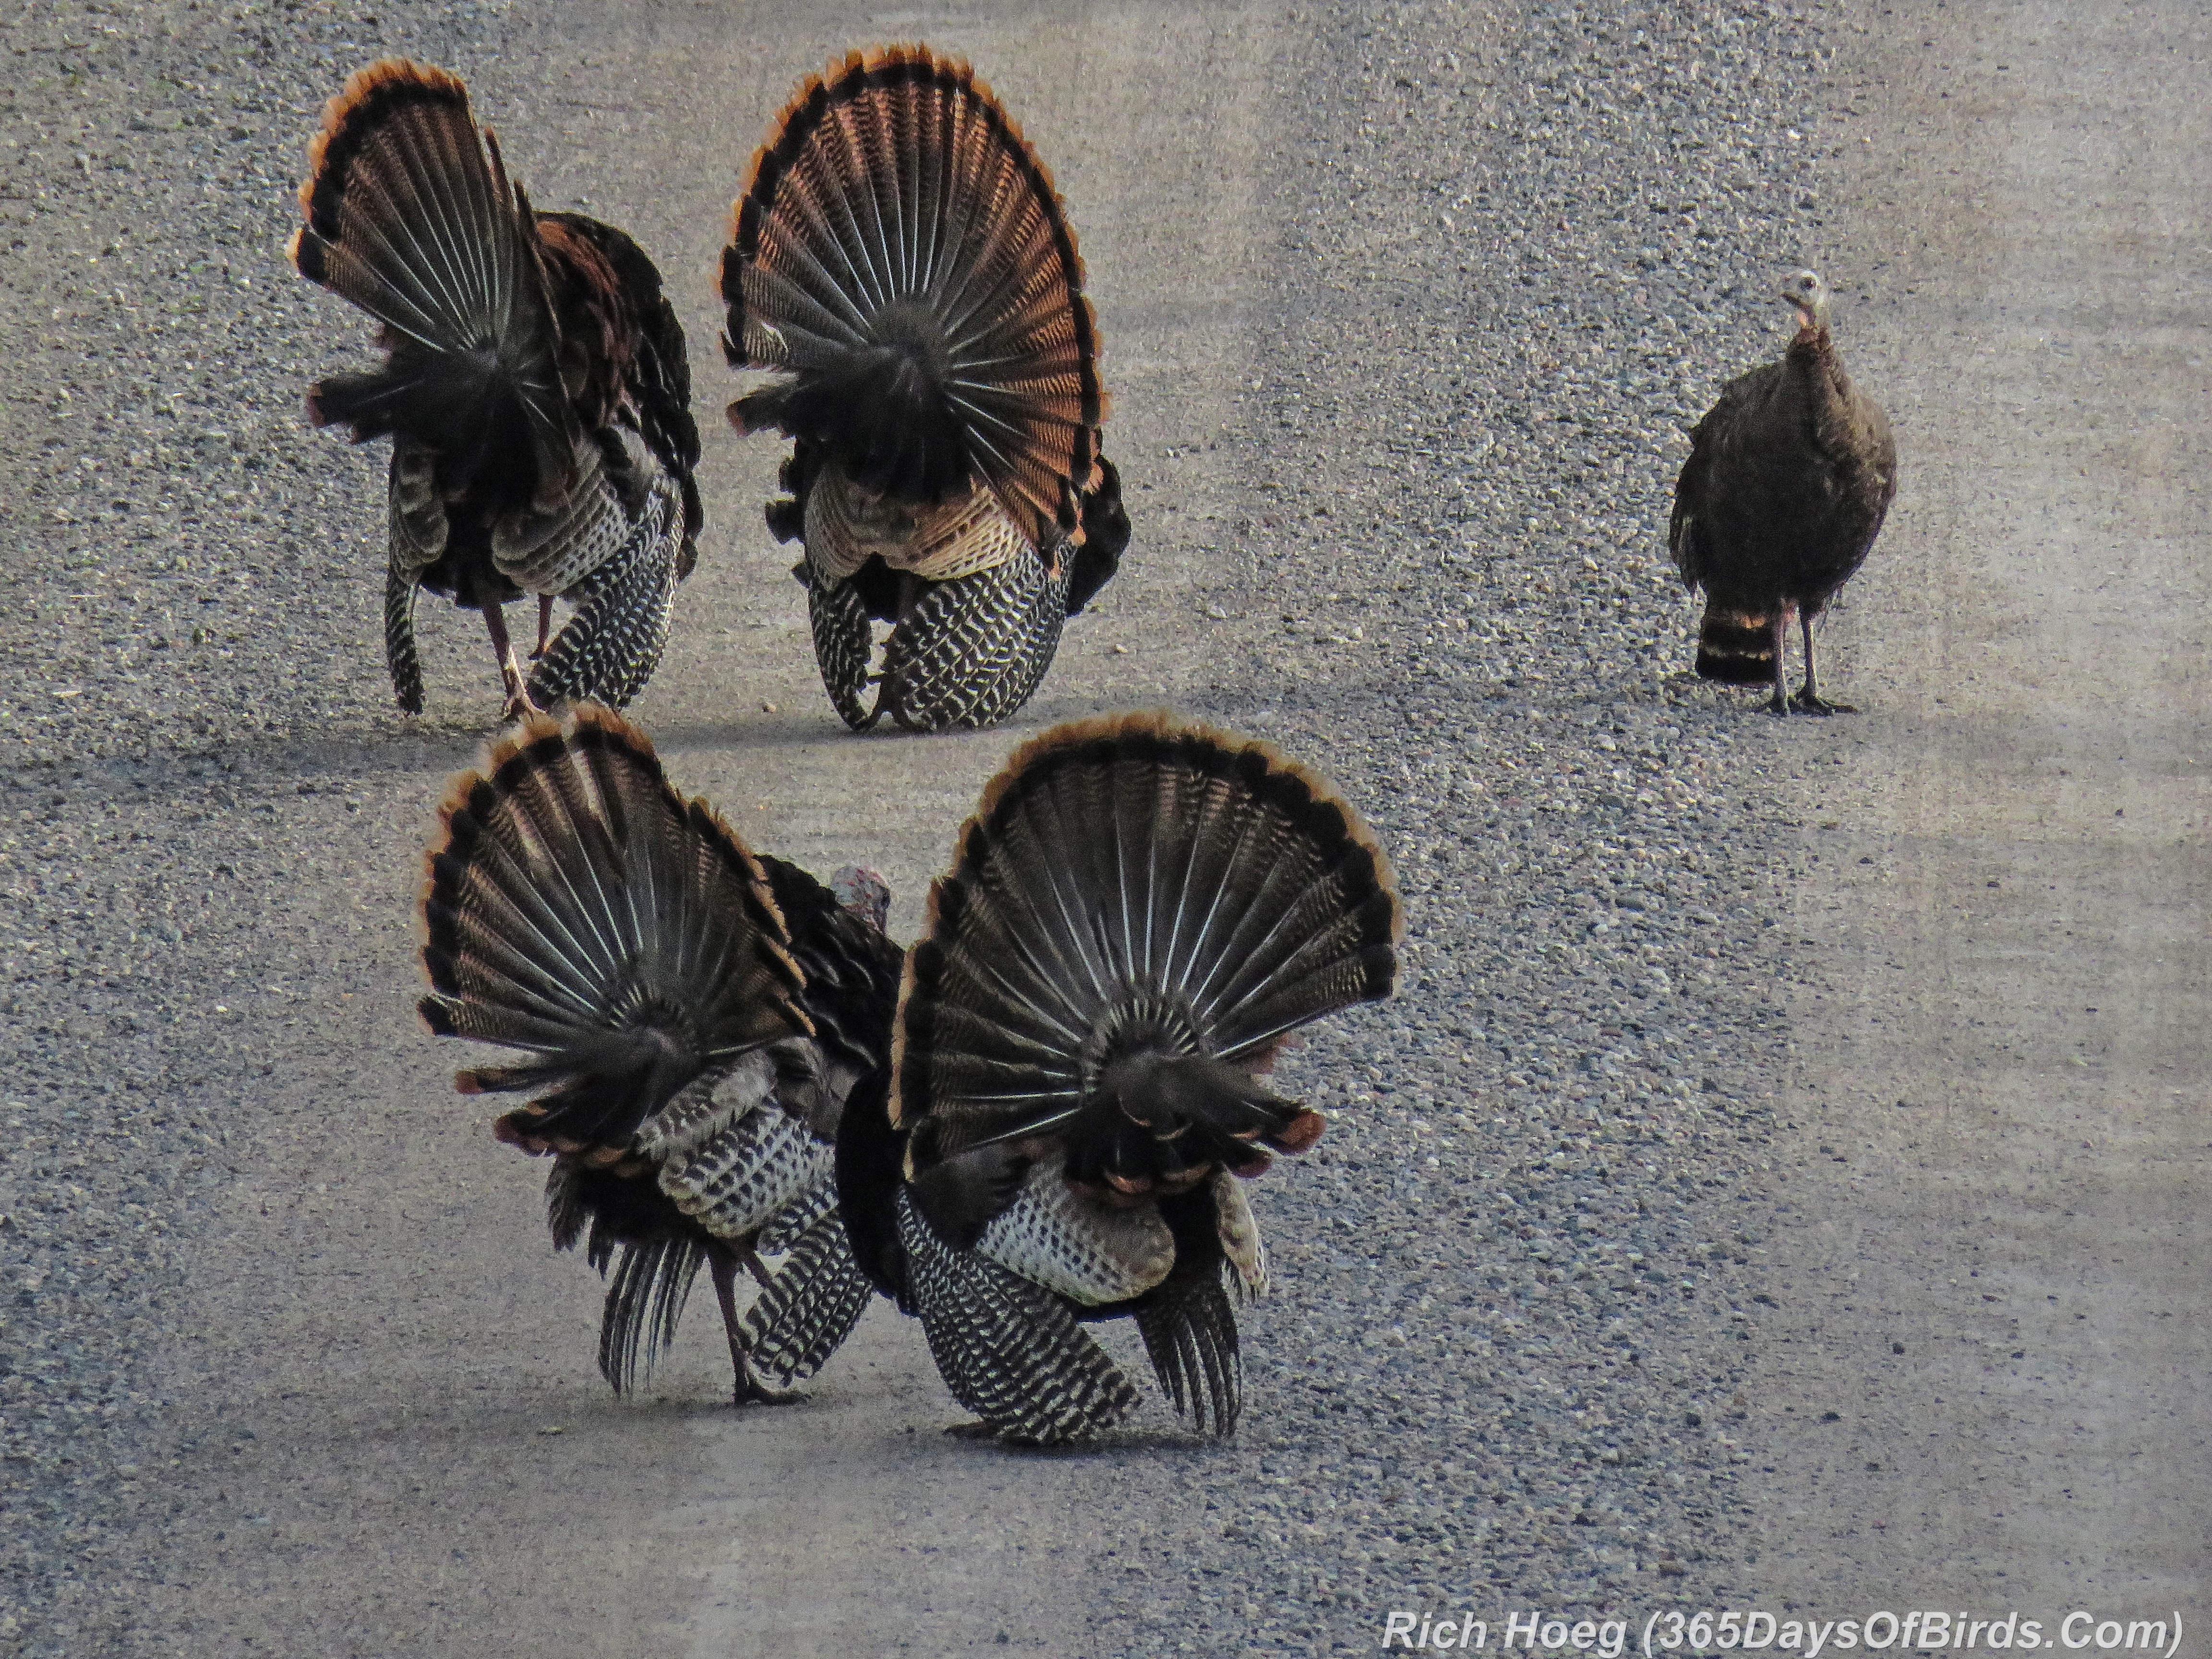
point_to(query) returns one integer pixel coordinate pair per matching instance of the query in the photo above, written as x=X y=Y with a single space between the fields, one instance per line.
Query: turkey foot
x=723 y=1261
x=751 y=1391
x=1806 y=702
x=978 y=1430
x=1779 y=629
x=1809 y=700
x=510 y=672
x=545 y=626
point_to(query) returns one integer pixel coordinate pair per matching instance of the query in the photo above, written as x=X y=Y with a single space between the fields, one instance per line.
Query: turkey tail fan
x=1141 y=910
x=645 y=1301
x=578 y=909
x=1736 y=647
x=411 y=218
x=901 y=252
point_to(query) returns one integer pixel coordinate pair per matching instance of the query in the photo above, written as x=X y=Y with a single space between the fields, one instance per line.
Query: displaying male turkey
x=1141 y=912
x=693 y=1017
x=901 y=257
x=1788 y=481
x=535 y=391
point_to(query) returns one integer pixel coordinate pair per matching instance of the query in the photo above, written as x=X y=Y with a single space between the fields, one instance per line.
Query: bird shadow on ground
x=1148 y=1443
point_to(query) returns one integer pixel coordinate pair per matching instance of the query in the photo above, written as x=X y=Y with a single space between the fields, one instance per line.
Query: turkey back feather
x=901 y=254
x=1142 y=911
x=413 y=219
x=579 y=910
x=852 y=969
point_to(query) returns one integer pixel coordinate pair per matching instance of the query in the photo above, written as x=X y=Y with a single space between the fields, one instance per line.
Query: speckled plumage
x=691 y=1017
x=818 y=1295
x=624 y=607
x=972 y=650
x=1078 y=1247
x=1010 y=1351
x=1142 y=910
x=535 y=388
x=901 y=257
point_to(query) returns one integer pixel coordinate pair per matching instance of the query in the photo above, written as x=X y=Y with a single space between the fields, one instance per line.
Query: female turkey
x=1788 y=478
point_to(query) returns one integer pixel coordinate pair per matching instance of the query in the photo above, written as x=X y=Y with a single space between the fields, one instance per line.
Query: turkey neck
x=1840 y=426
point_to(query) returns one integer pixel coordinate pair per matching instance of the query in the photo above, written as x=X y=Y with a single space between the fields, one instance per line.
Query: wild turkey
x=694 y=1017
x=1788 y=478
x=535 y=389
x=1142 y=912
x=901 y=257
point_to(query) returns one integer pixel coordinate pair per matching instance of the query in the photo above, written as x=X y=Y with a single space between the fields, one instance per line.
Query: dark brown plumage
x=1788 y=478
x=900 y=257
x=535 y=389
x=694 y=1017
x=1141 y=913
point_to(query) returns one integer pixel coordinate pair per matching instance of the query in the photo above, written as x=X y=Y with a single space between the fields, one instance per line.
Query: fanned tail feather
x=1736 y=647
x=412 y=218
x=578 y=910
x=1142 y=911
x=901 y=252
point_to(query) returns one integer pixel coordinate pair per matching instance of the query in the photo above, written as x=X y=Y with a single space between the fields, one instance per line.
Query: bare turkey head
x=865 y=893
x=1805 y=293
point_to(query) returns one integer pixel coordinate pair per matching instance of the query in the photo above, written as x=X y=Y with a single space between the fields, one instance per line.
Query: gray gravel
x=183 y=629
x=1518 y=1279
x=1515 y=1281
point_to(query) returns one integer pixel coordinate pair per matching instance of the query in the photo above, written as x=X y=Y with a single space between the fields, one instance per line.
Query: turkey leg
x=1779 y=629
x=510 y=674
x=1809 y=700
x=544 y=625
x=722 y=1262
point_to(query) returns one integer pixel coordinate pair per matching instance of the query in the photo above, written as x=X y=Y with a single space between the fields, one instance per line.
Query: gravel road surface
x=1776 y=1183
